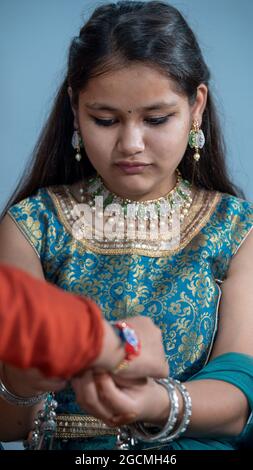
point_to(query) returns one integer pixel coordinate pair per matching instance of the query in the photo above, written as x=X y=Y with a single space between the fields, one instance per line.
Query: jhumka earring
x=77 y=144
x=196 y=139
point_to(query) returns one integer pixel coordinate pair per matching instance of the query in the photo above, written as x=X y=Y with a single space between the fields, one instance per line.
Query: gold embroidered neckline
x=203 y=205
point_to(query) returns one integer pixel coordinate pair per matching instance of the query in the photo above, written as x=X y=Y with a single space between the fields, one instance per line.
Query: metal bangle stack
x=171 y=430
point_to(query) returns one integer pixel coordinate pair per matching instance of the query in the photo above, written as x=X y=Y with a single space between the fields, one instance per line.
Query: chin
x=135 y=191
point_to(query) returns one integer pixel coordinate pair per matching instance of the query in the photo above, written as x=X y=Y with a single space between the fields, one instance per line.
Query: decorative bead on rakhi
x=196 y=139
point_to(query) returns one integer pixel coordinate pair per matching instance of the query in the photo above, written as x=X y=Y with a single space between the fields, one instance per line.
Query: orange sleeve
x=44 y=327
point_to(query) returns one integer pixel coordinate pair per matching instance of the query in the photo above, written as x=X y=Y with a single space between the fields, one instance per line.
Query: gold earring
x=77 y=144
x=196 y=139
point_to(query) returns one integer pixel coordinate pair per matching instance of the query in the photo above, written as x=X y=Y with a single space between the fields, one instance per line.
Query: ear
x=73 y=107
x=199 y=104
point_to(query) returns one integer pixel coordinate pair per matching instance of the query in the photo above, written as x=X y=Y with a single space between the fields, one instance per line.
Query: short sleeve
x=35 y=217
x=232 y=223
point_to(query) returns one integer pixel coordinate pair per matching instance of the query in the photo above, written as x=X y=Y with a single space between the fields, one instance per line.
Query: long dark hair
x=153 y=33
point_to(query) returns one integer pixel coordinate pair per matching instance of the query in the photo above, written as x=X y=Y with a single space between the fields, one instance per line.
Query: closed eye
x=104 y=122
x=152 y=121
x=156 y=121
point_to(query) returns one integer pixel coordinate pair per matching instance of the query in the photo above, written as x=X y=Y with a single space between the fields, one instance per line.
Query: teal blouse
x=179 y=289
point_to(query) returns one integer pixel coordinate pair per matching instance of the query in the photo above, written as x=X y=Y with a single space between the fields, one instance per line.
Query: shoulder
x=32 y=204
x=232 y=220
x=36 y=218
x=237 y=216
x=235 y=209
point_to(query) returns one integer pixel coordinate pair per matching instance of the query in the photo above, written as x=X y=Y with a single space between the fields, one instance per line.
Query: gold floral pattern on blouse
x=178 y=290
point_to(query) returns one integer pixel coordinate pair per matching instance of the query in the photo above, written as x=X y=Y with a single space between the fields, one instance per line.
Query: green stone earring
x=196 y=139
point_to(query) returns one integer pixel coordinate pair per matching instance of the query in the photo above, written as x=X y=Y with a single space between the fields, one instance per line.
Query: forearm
x=16 y=421
x=45 y=327
x=218 y=408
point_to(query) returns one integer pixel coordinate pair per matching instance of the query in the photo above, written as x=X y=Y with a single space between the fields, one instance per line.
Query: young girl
x=134 y=125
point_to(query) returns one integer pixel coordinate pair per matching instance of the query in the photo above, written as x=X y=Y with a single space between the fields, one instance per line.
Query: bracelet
x=140 y=430
x=186 y=416
x=143 y=433
x=129 y=340
x=17 y=400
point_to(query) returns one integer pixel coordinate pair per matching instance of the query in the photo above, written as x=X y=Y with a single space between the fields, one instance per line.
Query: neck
x=144 y=198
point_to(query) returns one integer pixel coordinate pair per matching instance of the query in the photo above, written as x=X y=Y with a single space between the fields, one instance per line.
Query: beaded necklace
x=179 y=198
x=116 y=223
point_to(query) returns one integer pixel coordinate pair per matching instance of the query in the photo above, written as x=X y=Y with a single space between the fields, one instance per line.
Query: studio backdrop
x=34 y=38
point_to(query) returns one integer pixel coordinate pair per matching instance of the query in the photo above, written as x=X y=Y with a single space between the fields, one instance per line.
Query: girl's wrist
x=161 y=411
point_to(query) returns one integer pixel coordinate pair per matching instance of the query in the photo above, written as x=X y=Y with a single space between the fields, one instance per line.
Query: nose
x=130 y=140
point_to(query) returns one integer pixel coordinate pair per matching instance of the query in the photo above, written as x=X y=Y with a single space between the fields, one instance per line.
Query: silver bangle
x=186 y=416
x=19 y=401
x=141 y=432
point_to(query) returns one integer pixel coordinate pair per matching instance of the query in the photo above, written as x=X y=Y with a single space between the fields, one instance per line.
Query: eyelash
x=151 y=121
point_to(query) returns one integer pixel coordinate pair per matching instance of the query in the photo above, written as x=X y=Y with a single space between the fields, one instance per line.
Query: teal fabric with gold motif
x=179 y=291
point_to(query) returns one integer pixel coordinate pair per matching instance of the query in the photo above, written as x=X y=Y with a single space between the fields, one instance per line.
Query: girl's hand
x=118 y=401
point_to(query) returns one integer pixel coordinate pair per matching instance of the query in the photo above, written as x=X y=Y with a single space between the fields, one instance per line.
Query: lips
x=131 y=165
x=132 y=168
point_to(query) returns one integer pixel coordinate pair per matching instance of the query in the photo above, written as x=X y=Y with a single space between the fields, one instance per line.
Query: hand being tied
x=118 y=401
x=151 y=362
x=132 y=394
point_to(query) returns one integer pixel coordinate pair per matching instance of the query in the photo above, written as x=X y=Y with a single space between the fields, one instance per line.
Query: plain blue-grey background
x=34 y=38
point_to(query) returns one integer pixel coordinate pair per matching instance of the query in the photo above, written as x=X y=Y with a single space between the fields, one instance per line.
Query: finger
x=113 y=397
x=125 y=382
x=87 y=397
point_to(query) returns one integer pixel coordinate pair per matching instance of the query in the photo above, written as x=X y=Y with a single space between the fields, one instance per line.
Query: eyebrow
x=152 y=107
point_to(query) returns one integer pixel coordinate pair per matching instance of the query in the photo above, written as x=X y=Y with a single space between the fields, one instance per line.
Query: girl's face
x=135 y=129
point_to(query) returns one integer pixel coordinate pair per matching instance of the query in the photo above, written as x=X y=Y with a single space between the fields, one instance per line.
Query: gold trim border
x=203 y=205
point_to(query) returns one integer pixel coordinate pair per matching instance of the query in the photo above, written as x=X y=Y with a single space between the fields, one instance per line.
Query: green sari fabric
x=234 y=368
x=237 y=369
